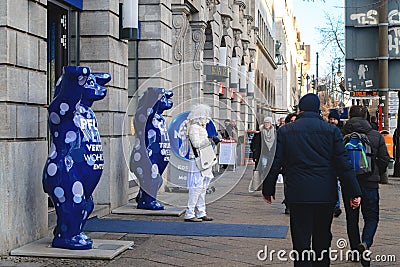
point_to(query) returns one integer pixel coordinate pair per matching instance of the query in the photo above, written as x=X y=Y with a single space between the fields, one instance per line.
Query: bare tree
x=332 y=36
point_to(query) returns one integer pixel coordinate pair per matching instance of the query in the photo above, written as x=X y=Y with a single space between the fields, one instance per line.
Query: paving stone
x=239 y=206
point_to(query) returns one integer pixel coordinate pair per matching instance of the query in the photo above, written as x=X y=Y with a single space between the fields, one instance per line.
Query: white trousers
x=196 y=206
x=197 y=185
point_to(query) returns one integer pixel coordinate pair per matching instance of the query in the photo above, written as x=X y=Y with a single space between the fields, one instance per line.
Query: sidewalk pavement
x=236 y=207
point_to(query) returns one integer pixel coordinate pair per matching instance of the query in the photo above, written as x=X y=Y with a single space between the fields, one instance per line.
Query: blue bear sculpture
x=150 y=155
x=75 y=163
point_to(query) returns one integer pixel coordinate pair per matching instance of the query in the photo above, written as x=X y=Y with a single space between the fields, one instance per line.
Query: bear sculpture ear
x=78 y=72
x=169 y=93
x=102 y=78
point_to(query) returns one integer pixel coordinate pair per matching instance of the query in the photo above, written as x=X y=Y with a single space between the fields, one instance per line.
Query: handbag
x=256 y=182
x=205 y=157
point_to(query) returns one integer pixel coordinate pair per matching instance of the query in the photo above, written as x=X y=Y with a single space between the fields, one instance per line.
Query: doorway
x=62 y=42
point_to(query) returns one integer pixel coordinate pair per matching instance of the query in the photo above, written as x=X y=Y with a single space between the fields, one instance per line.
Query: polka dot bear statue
x=151 y=151
x=75 y=163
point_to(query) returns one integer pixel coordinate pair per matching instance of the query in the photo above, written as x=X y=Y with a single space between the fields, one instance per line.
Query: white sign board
x=227 y=153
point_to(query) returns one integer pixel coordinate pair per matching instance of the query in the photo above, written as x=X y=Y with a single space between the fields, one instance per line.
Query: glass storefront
x=62 y=41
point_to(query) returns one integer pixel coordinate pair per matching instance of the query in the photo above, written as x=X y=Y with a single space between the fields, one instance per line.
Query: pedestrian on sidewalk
x=281 y=122
x=334 y=118
x=369 y=183
x=264 y=148
x=289 y=118
x=313 y=155
x=197 y=180
x=231 y=130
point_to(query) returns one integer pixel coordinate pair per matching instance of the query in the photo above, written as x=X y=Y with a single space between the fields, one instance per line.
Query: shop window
x=62 y=42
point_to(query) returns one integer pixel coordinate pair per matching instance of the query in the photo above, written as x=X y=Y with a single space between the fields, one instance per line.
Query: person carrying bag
x=202 y=158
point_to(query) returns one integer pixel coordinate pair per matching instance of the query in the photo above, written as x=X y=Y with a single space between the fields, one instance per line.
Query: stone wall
x=23 y=145
x=103 y=51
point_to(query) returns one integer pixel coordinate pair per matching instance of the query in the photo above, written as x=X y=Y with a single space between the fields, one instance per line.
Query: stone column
x=226 y=18
x=23 y=144
x=182 y=77
x=198 y=36
x=155 y=45
x=103 y=51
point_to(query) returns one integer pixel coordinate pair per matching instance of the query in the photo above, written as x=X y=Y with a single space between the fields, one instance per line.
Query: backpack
x=359 y=149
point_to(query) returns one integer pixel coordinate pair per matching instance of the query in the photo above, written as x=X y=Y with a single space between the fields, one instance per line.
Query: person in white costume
x=197 y=181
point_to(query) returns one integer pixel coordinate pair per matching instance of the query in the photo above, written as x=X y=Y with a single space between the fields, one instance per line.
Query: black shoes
x=204 y=218
x=194 y=219
x=337 y=212
x=361 y=248
x=287 y=211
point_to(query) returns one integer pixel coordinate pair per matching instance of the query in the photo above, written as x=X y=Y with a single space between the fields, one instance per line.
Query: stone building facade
x=37 y=38
x=286 y=50
x=180 y=40
x=218 y=52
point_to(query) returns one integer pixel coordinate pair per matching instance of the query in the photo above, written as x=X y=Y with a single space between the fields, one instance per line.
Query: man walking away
x=369 y=183
x=313 y=154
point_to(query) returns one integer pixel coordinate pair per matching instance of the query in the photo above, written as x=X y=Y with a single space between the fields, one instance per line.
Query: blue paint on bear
x=150 y=155
x=75 y=163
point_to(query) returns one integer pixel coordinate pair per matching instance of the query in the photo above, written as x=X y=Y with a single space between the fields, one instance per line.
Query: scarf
x=268 y=136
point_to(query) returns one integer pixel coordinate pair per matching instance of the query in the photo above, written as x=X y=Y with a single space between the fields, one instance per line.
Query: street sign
x=216 y=72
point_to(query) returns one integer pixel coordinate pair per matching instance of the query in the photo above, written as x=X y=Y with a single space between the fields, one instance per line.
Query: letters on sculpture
x=151 y=151
x=75 y=163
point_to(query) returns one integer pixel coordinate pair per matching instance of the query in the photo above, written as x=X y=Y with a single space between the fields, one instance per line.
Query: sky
x=310 y=15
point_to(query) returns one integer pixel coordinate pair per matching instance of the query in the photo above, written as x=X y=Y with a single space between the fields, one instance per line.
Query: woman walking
x=263 y=146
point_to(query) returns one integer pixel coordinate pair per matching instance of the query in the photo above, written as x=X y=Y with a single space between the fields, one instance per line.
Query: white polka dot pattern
x=52 y=169
x=137 y=157
x=54 y=118
x=77 y=190
x=58 y=192
x=70 y=137
x=53 y=151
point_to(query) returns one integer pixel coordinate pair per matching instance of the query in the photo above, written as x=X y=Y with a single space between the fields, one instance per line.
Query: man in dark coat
x=334 y=118
x=313 y=154
x=369 y=184
x=374 y=123
x=255 y=147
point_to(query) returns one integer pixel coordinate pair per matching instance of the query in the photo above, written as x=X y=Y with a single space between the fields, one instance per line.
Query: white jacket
x=198 y=137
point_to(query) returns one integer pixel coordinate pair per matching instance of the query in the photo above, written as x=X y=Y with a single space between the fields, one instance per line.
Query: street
x=237 y=207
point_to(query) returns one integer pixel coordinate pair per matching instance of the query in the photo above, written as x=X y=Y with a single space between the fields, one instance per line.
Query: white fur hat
x=200 y=111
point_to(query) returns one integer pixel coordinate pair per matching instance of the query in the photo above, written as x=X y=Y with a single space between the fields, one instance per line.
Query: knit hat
x=334 y=114
x=309 y=102
x=268 y=119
